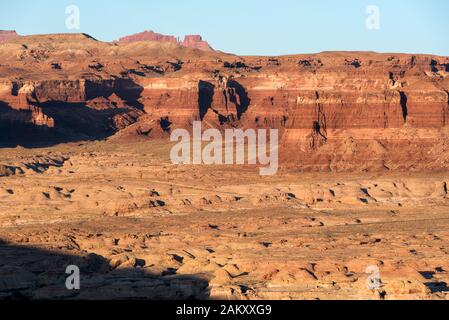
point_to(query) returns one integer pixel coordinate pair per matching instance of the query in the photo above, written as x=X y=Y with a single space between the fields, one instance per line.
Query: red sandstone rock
x=148 y=36
x=190 y=41
x=334 y=110
x=6 y=35
x=196 y=42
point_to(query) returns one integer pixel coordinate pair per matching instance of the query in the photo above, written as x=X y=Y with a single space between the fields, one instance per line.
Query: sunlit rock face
x=148 y=36
x=190 y=41
x=334 y=110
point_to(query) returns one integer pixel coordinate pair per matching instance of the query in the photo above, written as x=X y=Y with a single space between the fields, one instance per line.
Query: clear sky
x=250 y=27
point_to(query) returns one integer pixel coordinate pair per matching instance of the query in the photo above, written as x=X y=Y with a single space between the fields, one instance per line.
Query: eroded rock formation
x=190 y=41
x=141 y=227
x=196 y=42
x=7 y=35
x=148 y=36
x=335 y=110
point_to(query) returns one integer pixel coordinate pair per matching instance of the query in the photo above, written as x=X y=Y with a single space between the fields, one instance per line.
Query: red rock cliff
x=190 y=41
x=334 y=110
x=196 y=42
x=148 y=36
x=6 y=35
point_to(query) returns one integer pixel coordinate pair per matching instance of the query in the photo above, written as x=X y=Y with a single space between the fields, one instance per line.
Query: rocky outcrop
x=190 y=41
x=335 y=115
x=196 y=42
x=7 y=35
x=335 y=97
x=336 y=110
x=148 y=36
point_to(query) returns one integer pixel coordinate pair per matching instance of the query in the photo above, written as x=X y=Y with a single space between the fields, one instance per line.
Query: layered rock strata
x=335 y=110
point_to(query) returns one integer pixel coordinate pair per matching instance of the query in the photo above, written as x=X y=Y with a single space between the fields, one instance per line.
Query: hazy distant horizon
x=250 y=27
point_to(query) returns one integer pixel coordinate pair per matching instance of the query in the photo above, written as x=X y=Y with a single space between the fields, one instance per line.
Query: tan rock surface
x=140 y=227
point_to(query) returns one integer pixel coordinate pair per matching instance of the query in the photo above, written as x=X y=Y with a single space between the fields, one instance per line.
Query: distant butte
x=196 y=42
x=148 y=36
x=7 y=35
x=190 y=41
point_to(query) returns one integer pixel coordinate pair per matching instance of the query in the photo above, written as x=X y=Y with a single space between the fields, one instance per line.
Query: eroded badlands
x=140 y=227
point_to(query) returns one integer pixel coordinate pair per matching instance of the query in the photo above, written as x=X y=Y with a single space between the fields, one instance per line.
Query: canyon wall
x=365 y=111
x=334 y=110
x=337 y=96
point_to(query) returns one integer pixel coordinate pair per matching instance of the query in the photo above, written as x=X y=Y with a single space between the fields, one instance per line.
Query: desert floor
x=139 y=227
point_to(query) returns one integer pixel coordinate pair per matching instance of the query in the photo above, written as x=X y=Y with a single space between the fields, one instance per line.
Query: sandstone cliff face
x=335 y=110
x=334 y=97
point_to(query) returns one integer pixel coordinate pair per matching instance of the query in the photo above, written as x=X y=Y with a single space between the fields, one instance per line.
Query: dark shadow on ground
x=28 y=273
x=434 y=285
x=239 y=96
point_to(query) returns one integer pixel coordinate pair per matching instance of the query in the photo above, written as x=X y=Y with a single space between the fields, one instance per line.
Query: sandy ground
x=141 y=228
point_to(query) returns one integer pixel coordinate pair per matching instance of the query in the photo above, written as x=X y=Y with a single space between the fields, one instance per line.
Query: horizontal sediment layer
x=139 y=89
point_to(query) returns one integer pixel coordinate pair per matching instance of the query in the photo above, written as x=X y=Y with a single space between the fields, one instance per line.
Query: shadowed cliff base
x=65 y=122
x=29 y=273
x=79 y=121
x=17 y=128
x=124 y=88
x=39 y=119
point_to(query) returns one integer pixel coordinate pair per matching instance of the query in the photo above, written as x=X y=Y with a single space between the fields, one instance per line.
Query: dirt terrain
x=141 y=227
x=86 y=179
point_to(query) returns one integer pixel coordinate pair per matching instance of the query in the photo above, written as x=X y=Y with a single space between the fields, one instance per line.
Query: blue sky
x=256 y=27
